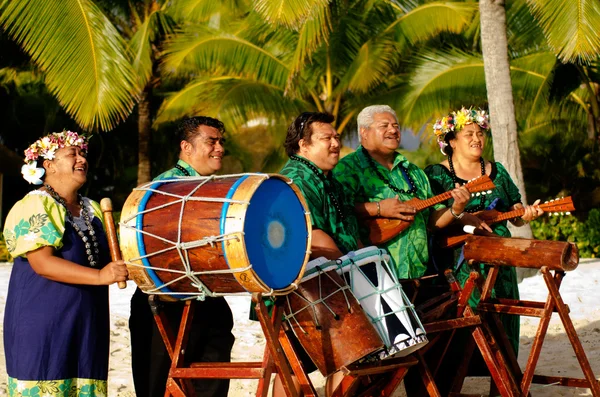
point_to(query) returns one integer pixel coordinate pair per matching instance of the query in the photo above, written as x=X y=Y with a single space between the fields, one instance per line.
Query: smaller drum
x=382 y=298
x=328 y=320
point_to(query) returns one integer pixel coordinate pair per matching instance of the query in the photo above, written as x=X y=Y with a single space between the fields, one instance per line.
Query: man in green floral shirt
x=380 y=180
x=201 y=153
x=313 y=146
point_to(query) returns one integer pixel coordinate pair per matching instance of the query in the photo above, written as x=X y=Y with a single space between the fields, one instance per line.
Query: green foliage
x=571 y=27
x=4 y=255
x=82 y=55
x=584 y=233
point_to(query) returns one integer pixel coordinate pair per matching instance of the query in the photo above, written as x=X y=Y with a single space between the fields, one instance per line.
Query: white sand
x=580 y=290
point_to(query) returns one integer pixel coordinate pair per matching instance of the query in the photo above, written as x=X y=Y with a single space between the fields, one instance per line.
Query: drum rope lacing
x=322 y=300
x=182 y=247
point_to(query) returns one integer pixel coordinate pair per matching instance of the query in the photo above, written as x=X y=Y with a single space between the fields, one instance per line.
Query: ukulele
x=384 y=229
x=454 y=236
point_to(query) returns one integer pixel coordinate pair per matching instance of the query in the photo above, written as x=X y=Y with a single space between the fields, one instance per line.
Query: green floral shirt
x=321 y=193
x=408 y=250
x=176 y=172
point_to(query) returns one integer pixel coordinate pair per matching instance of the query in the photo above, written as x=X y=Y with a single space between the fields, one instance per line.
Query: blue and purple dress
x=56 y=335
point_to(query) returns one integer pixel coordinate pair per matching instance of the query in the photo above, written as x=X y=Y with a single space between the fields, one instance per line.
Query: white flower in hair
x=51 y=153
x=32 y=174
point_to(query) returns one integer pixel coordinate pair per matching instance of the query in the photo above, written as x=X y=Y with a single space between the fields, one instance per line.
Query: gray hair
x=365 y=117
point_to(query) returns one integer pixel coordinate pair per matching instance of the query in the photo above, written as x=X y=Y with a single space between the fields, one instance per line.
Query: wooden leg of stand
x=538 y=340
x=273 y=343
x=503 y=365
x=305 y=384
x=503 y=384
x=263 y=383
x=173 y=389
x=563 y=312
x=463 y=368
x=165 y=330
x=180 y=346
x=168 y=337
x=505 y=345
x=427 y=377
x=347 y=387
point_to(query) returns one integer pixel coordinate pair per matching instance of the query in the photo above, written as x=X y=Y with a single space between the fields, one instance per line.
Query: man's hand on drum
x=112 y=273
x=394 y=208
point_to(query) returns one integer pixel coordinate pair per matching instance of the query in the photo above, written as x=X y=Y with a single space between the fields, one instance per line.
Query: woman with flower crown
x=461 y=136
x=56 y=321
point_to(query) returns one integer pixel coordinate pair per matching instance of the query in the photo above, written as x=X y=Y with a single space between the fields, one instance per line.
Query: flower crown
x=46 y=148
x=455 y=122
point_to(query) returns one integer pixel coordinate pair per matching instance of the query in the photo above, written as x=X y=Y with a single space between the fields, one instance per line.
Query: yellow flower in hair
x=461 y=119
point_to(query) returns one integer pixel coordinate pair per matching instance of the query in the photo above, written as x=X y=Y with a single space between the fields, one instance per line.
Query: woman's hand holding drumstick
x=111 y=233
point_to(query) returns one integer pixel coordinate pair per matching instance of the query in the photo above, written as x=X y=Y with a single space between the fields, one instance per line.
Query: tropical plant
x=551 y=98
x=268 y=65
x=83 y=57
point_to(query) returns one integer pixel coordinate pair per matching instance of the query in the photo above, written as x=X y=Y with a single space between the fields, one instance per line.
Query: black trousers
x=210 y=340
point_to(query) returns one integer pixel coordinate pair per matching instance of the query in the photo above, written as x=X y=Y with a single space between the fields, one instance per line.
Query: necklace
x=481 y=204
x=89 y=240
x=183 y=170
x=333 y=195
x=385 y=180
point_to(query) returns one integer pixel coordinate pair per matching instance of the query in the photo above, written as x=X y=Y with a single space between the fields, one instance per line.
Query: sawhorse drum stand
x=553 y=258
x=178 y=382
x=373 y=379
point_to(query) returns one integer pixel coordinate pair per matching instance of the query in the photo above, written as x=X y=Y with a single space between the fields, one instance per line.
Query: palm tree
x=82 y=55
x=494 y=47
x=549 y=96
x=335 y=56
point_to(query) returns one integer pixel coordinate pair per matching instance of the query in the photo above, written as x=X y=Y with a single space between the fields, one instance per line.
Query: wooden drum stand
x=553 y=258
x=379 y=379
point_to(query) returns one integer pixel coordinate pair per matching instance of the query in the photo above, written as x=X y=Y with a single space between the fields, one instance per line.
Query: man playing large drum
x=210 y=338
x=313 y=146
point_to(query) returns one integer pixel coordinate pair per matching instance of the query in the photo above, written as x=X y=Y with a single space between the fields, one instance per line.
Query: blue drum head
x=276 y=232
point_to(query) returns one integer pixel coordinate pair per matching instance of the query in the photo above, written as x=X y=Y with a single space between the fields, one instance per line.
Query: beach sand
x=580 y=290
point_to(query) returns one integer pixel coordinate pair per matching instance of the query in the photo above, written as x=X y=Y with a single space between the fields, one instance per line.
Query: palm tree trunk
x=494 y=46
x=144 y=134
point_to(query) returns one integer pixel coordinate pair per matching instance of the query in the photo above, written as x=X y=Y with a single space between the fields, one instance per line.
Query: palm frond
x=442 y=81
x=523 y=32
x=532 y=77
x=570 y=27
x=81 y=53
x=233 y=99
x=201 y=49
x=198 y=11
x=141 y=43
x=313 y=33
x=289 y=13
x=373 y=64
x=426 y=21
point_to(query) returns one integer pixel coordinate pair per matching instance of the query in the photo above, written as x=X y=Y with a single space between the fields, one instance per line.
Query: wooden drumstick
x=111 y=233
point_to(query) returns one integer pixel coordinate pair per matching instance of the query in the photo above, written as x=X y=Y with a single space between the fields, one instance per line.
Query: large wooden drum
x=328 y=320
x=219 y=235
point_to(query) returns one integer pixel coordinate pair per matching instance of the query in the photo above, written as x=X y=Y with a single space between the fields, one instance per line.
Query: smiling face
x=383 y=135
x=469 y=141
x=324 y=146
x=69 y=166
x=204 y=152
